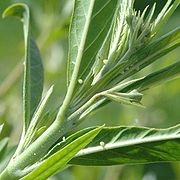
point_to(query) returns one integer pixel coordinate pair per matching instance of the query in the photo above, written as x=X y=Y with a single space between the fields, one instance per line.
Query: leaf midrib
x=110 y=146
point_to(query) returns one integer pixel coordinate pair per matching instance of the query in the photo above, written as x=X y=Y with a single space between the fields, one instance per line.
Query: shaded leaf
x=33 y=69
x=3 y=145
x=131 y=145
x=155 y=78
x=102 y=54
x=33 y=127
x=6 y=157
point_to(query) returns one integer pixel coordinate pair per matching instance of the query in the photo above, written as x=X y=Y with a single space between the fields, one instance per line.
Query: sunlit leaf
x=132 y=64
x=143 y=57
x=58 y=160
x=87 y=33
x=142 y=84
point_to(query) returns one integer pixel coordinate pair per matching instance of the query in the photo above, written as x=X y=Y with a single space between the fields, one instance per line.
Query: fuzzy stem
x=35 y=151
x=40 y=147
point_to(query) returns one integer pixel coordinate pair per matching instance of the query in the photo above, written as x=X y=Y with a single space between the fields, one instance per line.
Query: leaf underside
x=97 y=15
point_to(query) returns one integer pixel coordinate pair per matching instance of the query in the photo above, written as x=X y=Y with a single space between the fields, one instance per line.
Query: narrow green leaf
x=58 y=160
x=3 y=152
x=33 y=127
x=131 y=98
x=155 y=78
x=33 y=69
x=3 y=144
x=141 y=84
x=120 y=29
x=164 y=15
x=102 y=54
x=6 y=156
x=87 y=33
x=132 y=64
x=143 y=57
x=67 y=140
x=131 y=145
x=119 y=40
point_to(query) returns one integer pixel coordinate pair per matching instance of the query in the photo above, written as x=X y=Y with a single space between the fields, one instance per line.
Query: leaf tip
x=16 y=10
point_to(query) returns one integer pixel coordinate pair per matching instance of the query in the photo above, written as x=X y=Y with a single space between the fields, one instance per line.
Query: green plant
x=108 y=43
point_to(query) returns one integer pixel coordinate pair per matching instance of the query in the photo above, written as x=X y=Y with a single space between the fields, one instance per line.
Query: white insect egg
x=105 y=61
x=102 y=144
x=80 y=81
x=64 y=139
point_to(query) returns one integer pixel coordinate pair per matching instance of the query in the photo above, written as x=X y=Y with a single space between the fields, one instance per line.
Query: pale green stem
x=35 y=151
x=60 y=116
x=40 y=147
x=84 y=107
x=75 y=116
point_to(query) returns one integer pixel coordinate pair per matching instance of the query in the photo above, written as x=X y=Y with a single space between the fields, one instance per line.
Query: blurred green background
x=50 y=23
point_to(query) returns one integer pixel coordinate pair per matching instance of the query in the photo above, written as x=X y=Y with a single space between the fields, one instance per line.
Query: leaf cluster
x=109 y=42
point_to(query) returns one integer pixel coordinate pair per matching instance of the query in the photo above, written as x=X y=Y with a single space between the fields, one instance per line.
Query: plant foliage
x=109 y=42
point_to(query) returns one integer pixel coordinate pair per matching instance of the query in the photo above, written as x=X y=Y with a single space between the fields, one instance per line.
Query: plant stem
x=84 y=107
x=74 y=78
x=35 y=151
x=89 y=103
x=40 y=147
